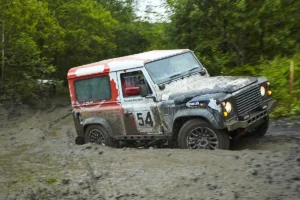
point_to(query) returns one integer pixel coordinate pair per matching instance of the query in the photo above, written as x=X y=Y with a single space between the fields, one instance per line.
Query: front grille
x=248 y=100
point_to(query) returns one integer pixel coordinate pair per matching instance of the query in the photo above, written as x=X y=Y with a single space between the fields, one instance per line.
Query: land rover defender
x=167 y=97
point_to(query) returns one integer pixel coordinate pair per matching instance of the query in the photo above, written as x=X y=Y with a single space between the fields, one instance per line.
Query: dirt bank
x=39 y=160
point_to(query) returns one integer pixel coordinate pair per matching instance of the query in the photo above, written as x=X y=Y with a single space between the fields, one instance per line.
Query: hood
x=198 y=85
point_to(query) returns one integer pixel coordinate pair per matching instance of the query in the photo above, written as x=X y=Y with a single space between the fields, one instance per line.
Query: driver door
x=140 y=113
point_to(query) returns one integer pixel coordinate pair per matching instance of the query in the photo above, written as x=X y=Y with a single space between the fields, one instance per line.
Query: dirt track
x=39 y=160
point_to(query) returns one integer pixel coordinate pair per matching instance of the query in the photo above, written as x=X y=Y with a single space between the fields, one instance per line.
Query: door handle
x=127 y=114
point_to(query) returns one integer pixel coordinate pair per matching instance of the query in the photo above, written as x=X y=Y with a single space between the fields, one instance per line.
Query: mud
x=39 y=160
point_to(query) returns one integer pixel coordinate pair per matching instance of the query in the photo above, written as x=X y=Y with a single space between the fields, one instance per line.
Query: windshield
x=173 y=67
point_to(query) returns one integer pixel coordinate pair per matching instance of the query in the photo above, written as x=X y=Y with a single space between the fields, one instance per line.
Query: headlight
x=262 y=90
x=228 y=107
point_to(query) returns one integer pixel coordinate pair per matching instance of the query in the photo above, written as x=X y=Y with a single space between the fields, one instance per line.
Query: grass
x=51 y=180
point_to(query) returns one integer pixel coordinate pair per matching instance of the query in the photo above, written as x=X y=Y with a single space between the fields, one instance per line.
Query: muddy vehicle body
x=165 y=97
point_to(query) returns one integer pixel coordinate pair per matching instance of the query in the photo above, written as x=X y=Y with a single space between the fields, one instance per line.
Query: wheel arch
x=98 y=121
x=183 y=116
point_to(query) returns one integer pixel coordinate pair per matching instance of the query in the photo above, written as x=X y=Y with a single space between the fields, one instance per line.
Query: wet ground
x=39 y=160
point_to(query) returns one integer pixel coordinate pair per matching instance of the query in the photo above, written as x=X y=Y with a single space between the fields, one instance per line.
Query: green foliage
x=45 y=38
x=33 y=37
x=51 y=180
x=88 y=30
x=228 y=33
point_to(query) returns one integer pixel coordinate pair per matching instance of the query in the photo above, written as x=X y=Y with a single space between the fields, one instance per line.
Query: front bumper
x=254 y=119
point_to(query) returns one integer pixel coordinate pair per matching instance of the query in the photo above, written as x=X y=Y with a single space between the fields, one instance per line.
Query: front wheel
x=200 y=134
x=262 y=129
x=97 y=134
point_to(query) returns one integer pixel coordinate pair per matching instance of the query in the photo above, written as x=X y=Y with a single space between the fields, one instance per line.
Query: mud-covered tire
x=207 y=133
x=262 y=129
x=79 y=140
x=97 y=134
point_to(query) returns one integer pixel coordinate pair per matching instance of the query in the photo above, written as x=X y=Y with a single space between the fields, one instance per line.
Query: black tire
x=97 y=134
x=208 y=137
x=79 y=140
x=262 y=129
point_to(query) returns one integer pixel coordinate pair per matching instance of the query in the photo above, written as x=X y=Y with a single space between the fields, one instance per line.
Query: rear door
x=140 y=113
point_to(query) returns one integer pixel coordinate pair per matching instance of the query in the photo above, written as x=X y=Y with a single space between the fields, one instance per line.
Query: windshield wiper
x=175 y=75
x=193 y=69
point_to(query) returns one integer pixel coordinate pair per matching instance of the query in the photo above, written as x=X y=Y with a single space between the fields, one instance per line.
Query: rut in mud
x=39 y=160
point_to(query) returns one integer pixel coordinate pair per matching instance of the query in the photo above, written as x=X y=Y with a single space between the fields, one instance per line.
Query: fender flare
x=98 y=121
x=210 y=117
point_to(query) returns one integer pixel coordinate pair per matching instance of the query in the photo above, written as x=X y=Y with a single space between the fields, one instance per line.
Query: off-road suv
x=165 y=96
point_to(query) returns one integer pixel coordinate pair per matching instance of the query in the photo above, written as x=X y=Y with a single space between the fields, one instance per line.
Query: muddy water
x=38 y=160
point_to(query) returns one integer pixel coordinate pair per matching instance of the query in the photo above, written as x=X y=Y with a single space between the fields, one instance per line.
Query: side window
x=130 y=83
x=91 y=89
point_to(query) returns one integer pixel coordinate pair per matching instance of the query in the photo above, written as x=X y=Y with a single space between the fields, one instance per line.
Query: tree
x=227 y=33
x=89 y=35
x=129 y=38
x=33 y=37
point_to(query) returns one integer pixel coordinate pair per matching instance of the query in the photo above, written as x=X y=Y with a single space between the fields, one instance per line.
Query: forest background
x=43 y=39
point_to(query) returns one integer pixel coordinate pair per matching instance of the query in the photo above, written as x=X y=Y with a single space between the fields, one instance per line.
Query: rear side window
x=91 y=89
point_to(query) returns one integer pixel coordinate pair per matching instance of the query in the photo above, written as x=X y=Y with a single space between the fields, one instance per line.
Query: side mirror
x=203 y=72
x=144 y=90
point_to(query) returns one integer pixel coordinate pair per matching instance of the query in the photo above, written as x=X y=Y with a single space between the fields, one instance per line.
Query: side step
x=142 y=137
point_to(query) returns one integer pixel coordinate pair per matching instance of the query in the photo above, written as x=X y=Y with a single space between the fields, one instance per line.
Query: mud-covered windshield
x=173 y=67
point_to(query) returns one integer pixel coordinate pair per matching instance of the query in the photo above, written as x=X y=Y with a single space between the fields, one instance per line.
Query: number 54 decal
x=144 y=119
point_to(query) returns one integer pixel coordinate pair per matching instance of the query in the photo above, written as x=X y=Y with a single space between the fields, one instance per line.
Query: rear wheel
x=79 y=140
x=200 y=134
x=97 y=134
